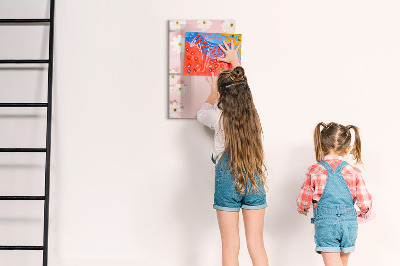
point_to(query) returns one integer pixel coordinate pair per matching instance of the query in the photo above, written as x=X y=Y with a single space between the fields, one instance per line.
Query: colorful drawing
x=188 y=93
x=202 y=52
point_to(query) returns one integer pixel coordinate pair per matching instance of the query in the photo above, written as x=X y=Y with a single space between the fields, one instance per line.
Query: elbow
x=199 y=116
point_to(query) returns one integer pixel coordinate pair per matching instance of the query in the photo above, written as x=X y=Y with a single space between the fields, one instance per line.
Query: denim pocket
x=224 y=186
x=222 y=175
x=326 y=231
x=352 y=227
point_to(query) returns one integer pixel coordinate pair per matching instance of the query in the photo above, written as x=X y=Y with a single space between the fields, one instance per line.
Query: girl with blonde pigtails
x=333 y=186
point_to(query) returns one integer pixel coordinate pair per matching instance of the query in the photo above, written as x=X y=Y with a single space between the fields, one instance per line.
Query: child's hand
x=213 y=83
x=301 y=211
x=362 y=218
x=231 y=54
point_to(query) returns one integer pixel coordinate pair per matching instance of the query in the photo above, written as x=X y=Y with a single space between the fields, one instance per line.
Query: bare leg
x=345 y=258
x=229 y=228
x=254 y=227
x=332 y=259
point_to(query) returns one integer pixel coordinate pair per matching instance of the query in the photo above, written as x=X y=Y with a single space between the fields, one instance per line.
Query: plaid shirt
x=314 y=185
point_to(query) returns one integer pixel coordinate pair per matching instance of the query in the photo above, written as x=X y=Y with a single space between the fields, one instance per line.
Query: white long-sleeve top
x=209 y=115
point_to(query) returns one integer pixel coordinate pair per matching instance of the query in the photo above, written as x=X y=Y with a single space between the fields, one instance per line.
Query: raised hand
x=231 y=54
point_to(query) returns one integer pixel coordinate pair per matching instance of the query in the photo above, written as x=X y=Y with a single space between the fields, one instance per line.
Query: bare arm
x=214 y=90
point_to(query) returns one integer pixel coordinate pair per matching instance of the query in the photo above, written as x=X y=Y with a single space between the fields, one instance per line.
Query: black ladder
x=47 y=105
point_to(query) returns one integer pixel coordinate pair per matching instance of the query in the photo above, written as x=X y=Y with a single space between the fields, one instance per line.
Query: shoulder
x=219 y=111
x=351 y=170
x=210 y=107
x=316 y=169
x=206 y=106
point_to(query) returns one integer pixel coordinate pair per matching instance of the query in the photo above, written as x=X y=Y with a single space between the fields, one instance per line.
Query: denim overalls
x=226 y=195
x=335 y=217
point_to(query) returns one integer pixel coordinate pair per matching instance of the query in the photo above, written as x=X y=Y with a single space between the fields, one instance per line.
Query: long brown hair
x=336 y=137
x=242 y=129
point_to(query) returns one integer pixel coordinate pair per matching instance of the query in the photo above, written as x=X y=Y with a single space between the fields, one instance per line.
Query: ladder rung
x=23 y=61
x=34 y=20
x=21 y=247
x=22 y=149
x=23 y=104
x=22 y=197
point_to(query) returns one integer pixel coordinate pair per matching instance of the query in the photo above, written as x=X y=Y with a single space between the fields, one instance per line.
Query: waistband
x=335 y=209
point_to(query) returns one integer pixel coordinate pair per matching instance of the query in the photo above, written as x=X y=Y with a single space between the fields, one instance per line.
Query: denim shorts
x=226 y=195
x=335 y=232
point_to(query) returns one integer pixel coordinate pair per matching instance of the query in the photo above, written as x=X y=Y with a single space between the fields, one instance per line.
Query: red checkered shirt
x=314 y=185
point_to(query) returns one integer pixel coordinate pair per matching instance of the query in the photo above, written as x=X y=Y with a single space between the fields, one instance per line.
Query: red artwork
x=202 y=51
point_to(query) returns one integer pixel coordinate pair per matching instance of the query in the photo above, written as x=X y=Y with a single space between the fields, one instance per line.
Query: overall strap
x=326 y=166
x=336 y=197
x=340 y=166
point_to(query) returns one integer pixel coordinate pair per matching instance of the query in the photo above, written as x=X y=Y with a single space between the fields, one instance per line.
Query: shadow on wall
x=193 y=205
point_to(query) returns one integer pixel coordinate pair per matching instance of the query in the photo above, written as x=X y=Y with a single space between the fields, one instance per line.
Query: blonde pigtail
x=356 y=151
x=319 y=153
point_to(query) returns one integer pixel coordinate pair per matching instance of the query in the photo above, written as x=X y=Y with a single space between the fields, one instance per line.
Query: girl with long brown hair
x=240 y=172
x=333 y=186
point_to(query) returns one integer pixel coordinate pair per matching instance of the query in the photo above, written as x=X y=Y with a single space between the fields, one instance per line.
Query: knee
x=255 y=245
x=232 y=244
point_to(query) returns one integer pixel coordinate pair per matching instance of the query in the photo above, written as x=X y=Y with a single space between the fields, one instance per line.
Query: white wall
x=132 y=187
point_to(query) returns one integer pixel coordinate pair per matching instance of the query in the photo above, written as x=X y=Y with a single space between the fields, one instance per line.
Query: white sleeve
x=208 y=115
